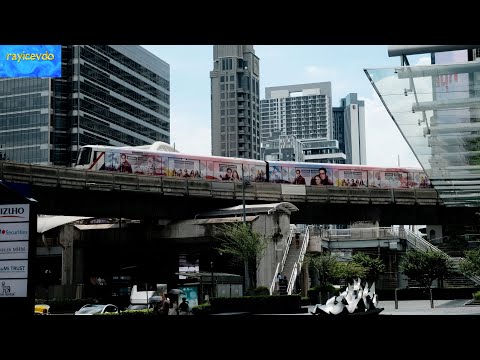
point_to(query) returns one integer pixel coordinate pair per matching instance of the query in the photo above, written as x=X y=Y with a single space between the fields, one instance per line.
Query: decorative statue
x=353 y=301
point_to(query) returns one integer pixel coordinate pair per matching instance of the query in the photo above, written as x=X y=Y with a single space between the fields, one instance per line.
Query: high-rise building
x=305 y=112
x=111 y=95
x=235 y=96
x=349 y=129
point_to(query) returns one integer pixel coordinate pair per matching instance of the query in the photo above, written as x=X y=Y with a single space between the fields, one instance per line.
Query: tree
x=349 y=270
x=245 y=246
x=323 y=264
x=471 y=264
x=425 y=267
x=373 y=266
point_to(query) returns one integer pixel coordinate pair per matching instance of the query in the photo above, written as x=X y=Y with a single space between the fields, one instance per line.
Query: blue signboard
x=30 y=61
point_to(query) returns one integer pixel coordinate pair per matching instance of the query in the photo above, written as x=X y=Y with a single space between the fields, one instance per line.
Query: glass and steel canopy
x=437 y=110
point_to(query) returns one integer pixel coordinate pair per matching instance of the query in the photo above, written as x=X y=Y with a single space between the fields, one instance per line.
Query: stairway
x=292 y=258
x=419 y=243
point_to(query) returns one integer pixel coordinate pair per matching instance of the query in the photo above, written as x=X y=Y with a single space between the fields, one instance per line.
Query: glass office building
x=108 y=94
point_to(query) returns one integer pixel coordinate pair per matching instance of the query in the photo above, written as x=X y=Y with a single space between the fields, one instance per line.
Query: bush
x=202 y=309
x=320 y=294
x=476 y=295
x=259 y=291
x=144 y=312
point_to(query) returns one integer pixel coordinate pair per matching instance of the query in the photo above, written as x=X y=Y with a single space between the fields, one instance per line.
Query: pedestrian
x=165 y=307
x=183 y=307
x=297 y=240
x=277 y=282
x=173 y=308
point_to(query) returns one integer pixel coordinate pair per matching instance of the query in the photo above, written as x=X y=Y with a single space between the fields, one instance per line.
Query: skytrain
x=161 y=159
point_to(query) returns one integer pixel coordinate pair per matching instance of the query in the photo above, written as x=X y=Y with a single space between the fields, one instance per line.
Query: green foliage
x=476 y=295
x=144 y=312
x=202 y=309
x=243 y=244
x=471 y=264
x=373 y=266
x=281 y=304
x=324 y=264
x=259 y=291
x=425 y=267
x=456 y=242
x=349 y=270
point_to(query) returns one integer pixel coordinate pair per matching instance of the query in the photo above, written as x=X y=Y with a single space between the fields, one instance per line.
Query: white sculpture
x=354 y=300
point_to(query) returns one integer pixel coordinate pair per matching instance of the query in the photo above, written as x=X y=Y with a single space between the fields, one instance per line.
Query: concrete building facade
x=235 y=101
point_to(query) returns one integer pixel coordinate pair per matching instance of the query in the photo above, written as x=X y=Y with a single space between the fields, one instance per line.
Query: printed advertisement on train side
x=351 y=178
x=388 y=179
x=184 y=168
x=146 y=164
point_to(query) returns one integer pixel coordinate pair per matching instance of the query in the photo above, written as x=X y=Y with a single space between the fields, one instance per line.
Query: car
x=93 y=309
x=42 y=309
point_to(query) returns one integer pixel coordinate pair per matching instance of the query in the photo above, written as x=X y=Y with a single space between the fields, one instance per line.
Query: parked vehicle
x=42 y=309
x=141 y=293
x=93 y=309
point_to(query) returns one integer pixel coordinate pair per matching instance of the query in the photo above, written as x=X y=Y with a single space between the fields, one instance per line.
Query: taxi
x=42 y=309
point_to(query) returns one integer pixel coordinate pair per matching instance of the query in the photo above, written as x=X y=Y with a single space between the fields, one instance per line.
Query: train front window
x=84 y=157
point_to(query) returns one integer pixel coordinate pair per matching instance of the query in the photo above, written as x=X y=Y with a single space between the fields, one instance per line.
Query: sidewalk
x=422 y=307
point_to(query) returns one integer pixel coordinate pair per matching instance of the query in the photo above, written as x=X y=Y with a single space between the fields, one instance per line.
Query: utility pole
x=246 y=275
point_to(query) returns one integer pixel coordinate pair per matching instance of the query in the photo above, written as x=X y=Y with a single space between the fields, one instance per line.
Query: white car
x=92 y=309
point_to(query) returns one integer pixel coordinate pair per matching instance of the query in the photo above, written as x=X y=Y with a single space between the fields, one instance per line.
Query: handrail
x=272 y=286
x=303 y=249
x=421 y=244
x=291 y=281
x=474 y=278
x=298 y=264
x=418 y=242
x=287 y=248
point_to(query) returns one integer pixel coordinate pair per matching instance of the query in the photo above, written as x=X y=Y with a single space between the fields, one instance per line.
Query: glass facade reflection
x=437 y=110
x=112 y=95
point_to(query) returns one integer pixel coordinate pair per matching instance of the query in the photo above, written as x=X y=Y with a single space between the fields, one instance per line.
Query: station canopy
x=437 y=110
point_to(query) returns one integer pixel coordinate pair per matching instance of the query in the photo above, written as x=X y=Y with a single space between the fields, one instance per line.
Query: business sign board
x=10 y=288
x=13 y=250
x=14 y=231
x=14 y=213
x=13 y=269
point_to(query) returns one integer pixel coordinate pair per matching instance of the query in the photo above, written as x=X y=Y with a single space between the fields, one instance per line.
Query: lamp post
x=211 y=268
x=246 y=276
x=48 y=275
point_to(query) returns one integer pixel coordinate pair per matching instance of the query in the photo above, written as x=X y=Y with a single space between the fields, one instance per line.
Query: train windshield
x=84 y=156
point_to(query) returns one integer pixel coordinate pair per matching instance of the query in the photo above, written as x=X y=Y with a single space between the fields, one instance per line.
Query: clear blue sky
x=342 y=65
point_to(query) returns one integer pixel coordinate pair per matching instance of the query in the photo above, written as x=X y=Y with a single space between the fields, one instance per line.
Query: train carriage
x=149 y=160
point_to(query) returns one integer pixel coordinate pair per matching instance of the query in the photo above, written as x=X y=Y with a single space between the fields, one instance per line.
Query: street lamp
x=246 y=276
x=48 y=275
x=211 y=268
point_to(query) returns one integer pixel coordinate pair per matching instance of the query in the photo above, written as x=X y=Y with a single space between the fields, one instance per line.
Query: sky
x=342 y=65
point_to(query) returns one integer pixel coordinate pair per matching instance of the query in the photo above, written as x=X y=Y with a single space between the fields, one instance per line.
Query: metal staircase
x=291 y=264
x=419 y=243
